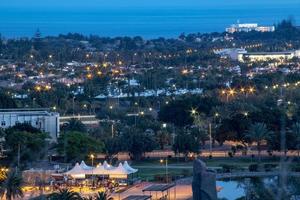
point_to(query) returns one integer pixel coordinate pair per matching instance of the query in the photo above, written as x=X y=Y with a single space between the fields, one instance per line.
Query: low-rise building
x=41 y=119
x=266 y=56
x=249 y=27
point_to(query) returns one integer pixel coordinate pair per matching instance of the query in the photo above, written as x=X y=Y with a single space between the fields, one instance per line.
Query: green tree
x=11 y=187
x=77 y=145
x=74 y=125
x=258 y=132
x=64 y=194
x=185 y=143
x=163 y=138
x=102 y=196
x=28 y=146
x=137 y=142
x=6 y=101
x=296 y=131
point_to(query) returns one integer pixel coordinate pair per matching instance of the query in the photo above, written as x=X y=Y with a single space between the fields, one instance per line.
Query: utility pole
x=19 y=152
x=210 y=140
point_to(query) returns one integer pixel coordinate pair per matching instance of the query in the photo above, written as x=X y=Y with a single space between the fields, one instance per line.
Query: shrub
x=269 y=167
x=253 y=168
x=228 y=168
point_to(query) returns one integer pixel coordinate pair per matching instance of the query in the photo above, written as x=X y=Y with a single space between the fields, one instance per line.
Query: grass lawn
x=150 y=168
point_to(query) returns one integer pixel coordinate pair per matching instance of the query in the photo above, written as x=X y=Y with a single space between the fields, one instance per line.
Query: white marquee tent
x=122 y=171
x=76 y=172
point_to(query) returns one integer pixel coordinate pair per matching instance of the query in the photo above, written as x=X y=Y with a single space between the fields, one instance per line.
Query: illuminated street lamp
x=166 y=165
x=92 y=156
x=164 y=125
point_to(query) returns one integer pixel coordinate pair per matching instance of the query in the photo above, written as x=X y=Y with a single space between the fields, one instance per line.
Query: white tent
x=129 y=168
x=118 y=172
x=76 y=172
x=99 y=170
x=84 y=166
x=107 y=166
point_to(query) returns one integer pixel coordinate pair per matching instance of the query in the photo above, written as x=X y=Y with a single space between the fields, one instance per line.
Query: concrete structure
x=204 y=182
x=266 y=56
x=232 y=53
x=42 y=119
x=249 y=27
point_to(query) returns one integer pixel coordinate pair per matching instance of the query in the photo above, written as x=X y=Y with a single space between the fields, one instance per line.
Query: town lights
x=185 y=71
x=99 y=73
x=194 y=111
x=38 y=88
x=89 y=76
x=231 y=92
x=251 y=90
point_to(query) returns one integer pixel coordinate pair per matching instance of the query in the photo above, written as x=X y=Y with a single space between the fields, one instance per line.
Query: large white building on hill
x=249 y=27
x=41 y=119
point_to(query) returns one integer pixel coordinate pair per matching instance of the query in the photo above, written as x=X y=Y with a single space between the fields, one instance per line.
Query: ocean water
x=147 y=21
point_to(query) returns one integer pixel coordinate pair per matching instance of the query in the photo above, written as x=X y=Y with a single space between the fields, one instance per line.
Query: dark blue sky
x=132 y=3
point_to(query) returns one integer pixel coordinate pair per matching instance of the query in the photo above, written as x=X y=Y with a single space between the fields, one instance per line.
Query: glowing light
x=185 y=71
x=38 y=88
x=89 y=76
x=193 y=111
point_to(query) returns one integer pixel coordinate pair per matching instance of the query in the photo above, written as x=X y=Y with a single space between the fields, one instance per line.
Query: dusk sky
x=130 y=3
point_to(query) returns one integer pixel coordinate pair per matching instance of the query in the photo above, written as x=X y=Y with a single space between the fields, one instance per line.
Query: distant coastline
x=146 y=23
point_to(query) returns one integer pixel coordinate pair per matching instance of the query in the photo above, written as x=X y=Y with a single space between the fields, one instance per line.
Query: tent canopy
x=76 y=171
x=84 y=166
x=122 y=171
x=129 y=168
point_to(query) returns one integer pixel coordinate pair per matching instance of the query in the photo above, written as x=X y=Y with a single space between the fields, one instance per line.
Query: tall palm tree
x=64 y=194
x=296 y=131
x=258 y=132
x=11 y=187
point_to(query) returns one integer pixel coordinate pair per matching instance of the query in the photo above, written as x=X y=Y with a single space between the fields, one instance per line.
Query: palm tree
x=64 y=194
x=11 y=187
x=258 y=132
x=103 y=196
x=296 y=131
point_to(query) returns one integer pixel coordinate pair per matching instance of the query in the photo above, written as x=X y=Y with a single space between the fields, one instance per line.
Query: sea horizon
x=148 y=23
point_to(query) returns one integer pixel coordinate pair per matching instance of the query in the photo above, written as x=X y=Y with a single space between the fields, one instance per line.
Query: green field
x=150 y=168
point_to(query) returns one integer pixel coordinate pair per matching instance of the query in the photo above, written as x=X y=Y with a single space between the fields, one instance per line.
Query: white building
x=39 y=118
x=266 y=56
x=249 y=27
x=231 y=53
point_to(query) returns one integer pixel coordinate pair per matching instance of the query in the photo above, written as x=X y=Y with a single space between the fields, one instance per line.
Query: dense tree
x=185 y=143
x=64 y=194
x=74 y=125
x=28 y=146
x=6 y=101
x=11 y=187
x=137 y=142
x=77 y=145
x=258 y=132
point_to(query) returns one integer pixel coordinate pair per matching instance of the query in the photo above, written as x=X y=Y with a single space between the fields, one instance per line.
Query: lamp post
x=92 y=156
x=166 y=165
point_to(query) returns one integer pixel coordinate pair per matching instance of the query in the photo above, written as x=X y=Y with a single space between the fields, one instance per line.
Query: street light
x=166 y=165
x=92 y=156
x=164 y=125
